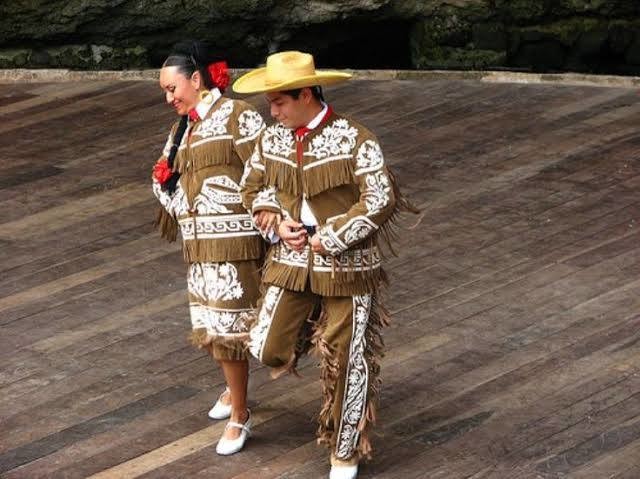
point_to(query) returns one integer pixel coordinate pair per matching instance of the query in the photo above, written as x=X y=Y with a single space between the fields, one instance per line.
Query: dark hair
x=190 y=56
x=316 y=91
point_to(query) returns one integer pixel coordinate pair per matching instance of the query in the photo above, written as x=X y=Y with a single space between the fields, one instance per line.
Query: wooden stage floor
x=514 y=350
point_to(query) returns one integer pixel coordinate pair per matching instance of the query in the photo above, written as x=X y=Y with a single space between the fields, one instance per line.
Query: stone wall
x=601 y=36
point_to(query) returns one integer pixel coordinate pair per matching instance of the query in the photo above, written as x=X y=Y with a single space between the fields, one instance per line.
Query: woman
x=197 y=181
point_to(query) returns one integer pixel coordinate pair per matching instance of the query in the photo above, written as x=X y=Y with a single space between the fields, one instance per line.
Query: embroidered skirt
x=222 y=296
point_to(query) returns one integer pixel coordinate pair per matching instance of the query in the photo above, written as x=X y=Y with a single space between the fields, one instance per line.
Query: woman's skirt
x=222 y=297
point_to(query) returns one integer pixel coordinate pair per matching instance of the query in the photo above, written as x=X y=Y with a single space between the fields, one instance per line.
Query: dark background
x=596 y=36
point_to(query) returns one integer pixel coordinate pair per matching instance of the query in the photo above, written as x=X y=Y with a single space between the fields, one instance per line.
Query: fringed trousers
x=347 y=337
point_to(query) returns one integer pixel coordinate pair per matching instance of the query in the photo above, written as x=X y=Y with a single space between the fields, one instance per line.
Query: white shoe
x=226 y=447
x=220 y=410
x=343 y=472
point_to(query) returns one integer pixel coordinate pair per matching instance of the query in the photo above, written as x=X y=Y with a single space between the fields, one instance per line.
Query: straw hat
x=287 y=71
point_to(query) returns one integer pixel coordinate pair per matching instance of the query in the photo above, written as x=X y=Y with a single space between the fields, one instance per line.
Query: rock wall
x=601 y=36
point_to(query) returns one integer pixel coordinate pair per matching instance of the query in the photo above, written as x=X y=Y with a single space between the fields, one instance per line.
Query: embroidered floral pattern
x=214 y=281
x=356 y=380
x=377 y=194
x=278 y=141
x=339 y=138
x=216 y=124
x=250 y=124
x=260 y=331
x=369 y=157
x=219 y=322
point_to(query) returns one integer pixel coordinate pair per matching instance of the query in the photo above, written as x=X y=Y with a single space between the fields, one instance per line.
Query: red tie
x=302 y=132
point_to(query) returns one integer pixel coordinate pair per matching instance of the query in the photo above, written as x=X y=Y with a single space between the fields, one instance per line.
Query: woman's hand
x=293 y=234
x=266 y=220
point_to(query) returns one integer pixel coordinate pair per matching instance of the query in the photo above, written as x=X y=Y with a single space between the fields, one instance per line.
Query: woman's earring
x=206 y=97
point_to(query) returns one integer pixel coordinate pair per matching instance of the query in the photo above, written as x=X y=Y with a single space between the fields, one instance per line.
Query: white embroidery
x=167 y=147
x=278 y=141
x=260 y=330
x=356 y=229
x=356 y=380
x=214 y=282
x=175 y=204
x=219 y=322
x=266 y=198
x=211 y=200
x=336 y=139
x=330 y=241
x=369 y=157
x=217 y=226
x=377 y=193
x=250 y=124
x=349 y=261
x=216 y=124
x=290 y=257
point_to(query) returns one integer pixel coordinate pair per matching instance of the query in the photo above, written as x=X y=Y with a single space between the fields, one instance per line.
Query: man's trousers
x=347 y=337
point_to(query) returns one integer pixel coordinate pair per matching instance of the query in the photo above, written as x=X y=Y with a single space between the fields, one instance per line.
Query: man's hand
x=316 y=245
x=293 y=234
x=266 y=220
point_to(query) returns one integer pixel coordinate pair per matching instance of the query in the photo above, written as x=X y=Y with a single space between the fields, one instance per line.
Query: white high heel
x=221 y=410
x=343 y=472
x=227 y=447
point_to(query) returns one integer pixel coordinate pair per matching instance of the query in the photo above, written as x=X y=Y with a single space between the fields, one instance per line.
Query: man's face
x=291 y=112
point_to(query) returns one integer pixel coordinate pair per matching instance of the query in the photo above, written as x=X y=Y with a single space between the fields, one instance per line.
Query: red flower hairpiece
x=161 y=171
x=219 y=74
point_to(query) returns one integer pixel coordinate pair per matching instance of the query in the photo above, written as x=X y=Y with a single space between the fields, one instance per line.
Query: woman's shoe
x=343 y=472
x=227 y=447
x=221 y=410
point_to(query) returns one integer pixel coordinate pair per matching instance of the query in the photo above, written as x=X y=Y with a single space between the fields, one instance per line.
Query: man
x=318 y=187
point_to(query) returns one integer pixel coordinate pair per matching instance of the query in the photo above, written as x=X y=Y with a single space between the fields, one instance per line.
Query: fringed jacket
x=349 y=190
x=206 y=203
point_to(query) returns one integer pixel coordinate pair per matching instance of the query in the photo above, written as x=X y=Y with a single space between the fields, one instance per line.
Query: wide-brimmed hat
x=287 y=71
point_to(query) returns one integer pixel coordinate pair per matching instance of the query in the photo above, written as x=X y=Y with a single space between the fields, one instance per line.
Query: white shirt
x=306 y=215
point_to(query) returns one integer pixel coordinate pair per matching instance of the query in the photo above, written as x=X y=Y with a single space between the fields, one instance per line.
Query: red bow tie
x=193 y=115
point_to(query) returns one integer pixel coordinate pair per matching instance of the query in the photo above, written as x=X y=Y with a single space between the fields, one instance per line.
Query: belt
x=311 y=230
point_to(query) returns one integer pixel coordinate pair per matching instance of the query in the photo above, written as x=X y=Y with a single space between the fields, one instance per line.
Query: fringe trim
x=214 y=153
x=374 y=352
x=166 y=224
x=292 y=278
x=327 y=176
x=388 y=232
x=348 y=283
x=229 y=249
x=231 y=348
x=283 y=177
x=329 y=374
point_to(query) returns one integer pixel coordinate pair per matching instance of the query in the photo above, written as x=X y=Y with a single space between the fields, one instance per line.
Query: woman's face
x=180 y=92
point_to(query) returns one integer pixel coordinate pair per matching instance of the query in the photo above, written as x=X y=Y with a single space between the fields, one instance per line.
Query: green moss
x=459 y=58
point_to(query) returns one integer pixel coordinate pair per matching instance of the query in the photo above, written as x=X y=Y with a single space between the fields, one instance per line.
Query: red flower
x=193 y=115
x=219 y=74
x=161 y=171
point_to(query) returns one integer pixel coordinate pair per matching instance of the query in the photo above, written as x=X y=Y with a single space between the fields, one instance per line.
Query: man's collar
x=318 y=118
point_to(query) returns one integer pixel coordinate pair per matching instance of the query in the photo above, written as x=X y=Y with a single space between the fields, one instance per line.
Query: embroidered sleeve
x=163 y=197
x=374 y=207
x=246 y=132
x=256 y=196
